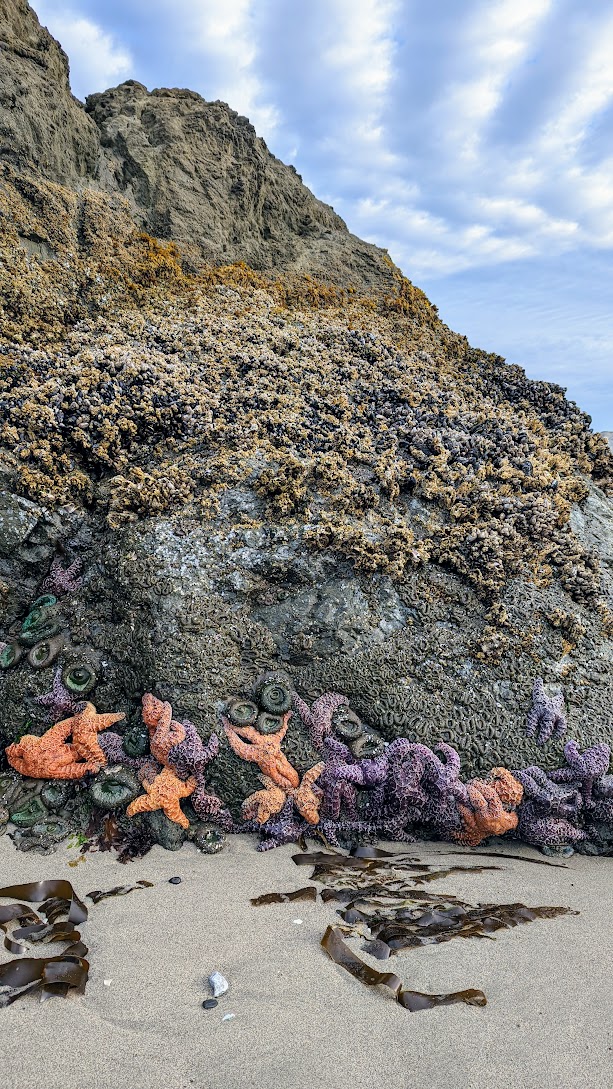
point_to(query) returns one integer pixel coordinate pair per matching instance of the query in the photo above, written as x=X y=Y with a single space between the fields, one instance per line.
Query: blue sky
x=472 y=138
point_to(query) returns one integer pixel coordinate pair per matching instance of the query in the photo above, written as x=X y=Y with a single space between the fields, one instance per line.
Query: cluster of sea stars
x=52 y=756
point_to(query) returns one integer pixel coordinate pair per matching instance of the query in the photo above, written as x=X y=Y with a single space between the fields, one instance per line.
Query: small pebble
x=209 y=1004
x=297 y=922
x=218 y=984
x=174 y=880
x=228 y=1016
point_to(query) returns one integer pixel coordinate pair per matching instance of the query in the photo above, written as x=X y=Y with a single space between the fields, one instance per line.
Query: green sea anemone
x=268 y=724
x=44 y=654
x=135 y=741
x=31 y=811
x=273 y=696
x=242 y=712
x=10 y=655
x=207 y=838
x=56 y=794
x=79 y=678
x=114 y=788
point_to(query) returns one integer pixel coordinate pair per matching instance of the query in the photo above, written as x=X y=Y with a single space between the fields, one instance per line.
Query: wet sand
x=300 y=1022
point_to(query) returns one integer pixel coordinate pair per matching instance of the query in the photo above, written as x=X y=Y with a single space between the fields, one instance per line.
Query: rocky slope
x=194 y=172
x=255 y=474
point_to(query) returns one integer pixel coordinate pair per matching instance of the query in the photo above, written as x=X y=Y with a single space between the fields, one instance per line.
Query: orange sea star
x=508 y=788
x=265 y=750
x=164 y=732
x=49 y=756
x=266 y=803
x=164 y=792
x=85 y=725
x=52 y=757
x=485 y=816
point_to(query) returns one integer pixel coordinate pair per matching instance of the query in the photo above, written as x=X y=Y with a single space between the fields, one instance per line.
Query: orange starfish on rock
x=508 y=788
x=164 y=792
x=265 y=750
x=85 y=725
x=52 y=757
x=486 y=815
x=164 y=732
x=267 y=803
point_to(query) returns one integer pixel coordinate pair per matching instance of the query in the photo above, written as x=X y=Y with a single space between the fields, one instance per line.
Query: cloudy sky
x=472 y=138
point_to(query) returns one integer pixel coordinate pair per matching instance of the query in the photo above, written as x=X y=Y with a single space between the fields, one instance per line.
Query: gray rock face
x=42 y=126
x=196 y=172
x=177 y=606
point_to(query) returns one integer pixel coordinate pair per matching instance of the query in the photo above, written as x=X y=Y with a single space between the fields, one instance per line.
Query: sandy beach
x=299 y=1020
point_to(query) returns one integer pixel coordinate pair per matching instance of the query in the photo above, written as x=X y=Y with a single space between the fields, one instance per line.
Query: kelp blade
x=36 y=892
x=309 y=892
x=119 y=890
x=338 y=950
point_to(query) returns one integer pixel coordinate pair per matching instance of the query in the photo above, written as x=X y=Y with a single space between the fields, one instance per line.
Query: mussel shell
x=242 y=712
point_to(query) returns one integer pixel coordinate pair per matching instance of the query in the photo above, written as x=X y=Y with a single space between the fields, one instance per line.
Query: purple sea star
x=63 y=580
x=59 y=702
x=318 y=718
x=545 y=715
x=585 y=767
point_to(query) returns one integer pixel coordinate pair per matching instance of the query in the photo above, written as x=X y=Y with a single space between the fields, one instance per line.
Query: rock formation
x=265 y=450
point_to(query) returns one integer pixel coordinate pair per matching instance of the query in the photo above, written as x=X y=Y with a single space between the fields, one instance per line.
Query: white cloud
x=97 y=59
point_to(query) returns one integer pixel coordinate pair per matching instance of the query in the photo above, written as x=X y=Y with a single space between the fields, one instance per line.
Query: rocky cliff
x=257 y=467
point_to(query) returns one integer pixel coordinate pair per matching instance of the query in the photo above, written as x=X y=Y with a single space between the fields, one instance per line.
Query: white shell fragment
x=218 y=984
x=228 y=1016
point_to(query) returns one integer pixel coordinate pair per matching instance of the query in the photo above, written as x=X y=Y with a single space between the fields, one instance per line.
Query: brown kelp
x=381 y=905
x=59 y=909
